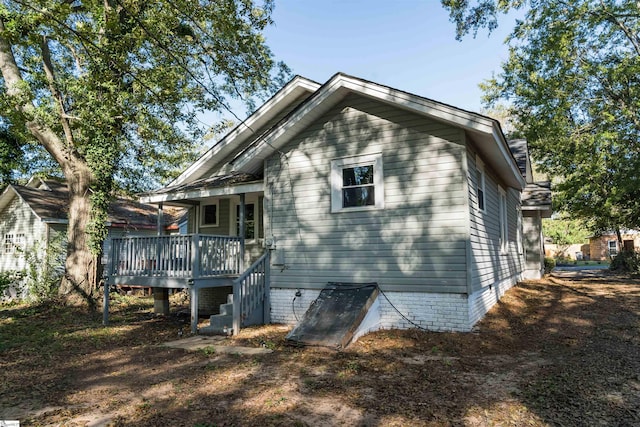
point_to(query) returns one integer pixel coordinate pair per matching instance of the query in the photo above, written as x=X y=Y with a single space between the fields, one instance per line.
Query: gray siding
x=18 y=218
x=488 y=265
x=416 y=243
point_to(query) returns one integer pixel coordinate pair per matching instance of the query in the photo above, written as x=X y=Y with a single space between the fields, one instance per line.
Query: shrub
x=626 y=261
x=549 y=265
x=10 y=279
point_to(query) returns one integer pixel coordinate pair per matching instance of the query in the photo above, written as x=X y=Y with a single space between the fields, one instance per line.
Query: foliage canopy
x=114 y=89
x=572 y=81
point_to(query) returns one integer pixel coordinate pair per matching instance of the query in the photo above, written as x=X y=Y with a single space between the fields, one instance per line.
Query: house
x=351 y=181
x=33 y=223
x=535 y=205
x=605 y=246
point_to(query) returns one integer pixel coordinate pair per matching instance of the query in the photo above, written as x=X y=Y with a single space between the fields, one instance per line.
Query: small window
x=504 y=226
x=8 y=243
x=14 y=243
x=613 y=247
x=209 y=215
x=357 y=183
x=480 y=183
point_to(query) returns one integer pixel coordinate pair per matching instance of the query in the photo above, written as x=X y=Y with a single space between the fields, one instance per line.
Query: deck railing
x=251 y=293
x=180 y=256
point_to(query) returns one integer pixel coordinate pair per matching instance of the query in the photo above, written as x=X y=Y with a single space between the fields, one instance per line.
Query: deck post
x=160 y=218
x=237 y=311
x=242 y=230
x=194 y=309
x=105 y=303
x=161 y=301
x=195 y=256
x=266 y=303
x=107 y=272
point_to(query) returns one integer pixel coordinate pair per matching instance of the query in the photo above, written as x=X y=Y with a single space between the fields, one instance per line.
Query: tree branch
x=48 y=70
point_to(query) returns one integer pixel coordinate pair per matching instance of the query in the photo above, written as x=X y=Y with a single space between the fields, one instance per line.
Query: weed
x=209 y=350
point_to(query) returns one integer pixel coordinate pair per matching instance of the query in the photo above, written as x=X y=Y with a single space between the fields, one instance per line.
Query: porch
x=193 y=262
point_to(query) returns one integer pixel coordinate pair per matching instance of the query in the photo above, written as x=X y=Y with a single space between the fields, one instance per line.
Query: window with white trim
x=504 y=225
x=8 y=243
x=209 y=215
x=613 y=247
x=14 y=243
x=357 y=183
x=480 y=183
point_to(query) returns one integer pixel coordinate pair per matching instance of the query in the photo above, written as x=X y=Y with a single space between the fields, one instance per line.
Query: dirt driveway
x=562 y=351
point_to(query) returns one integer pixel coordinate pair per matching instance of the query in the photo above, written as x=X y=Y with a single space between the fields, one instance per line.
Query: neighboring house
x=352 y=181
x=605 y=246
x=576 y=251
x=535 y=205
x=33 y=218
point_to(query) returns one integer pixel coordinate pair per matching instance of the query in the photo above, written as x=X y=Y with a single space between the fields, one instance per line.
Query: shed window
x=209 y=215
x=357 y=183
x=613 y=247
x=14 y=243
x=8 y=243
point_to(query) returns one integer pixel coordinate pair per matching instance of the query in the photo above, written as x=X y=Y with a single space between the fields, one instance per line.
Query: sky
x=406 y=44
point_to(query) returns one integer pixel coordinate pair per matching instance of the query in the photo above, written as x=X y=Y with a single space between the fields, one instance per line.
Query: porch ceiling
x=223 y=185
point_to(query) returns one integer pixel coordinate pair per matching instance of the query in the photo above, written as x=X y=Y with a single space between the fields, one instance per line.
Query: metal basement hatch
x=334 y=317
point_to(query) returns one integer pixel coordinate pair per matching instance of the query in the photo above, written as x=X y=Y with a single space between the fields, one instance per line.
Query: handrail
x=179 y=255
x=250 y=290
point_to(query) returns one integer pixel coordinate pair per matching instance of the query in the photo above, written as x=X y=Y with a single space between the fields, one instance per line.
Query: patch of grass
x=209 y=350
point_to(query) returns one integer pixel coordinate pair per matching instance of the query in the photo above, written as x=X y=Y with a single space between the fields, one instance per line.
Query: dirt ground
x=560 y=351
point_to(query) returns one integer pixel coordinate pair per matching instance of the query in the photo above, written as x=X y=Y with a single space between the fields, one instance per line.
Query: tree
x=110 y=87
x=572 y=81
x=565 y=232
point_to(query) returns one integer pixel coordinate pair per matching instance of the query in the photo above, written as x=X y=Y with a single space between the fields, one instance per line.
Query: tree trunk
x=81 y=266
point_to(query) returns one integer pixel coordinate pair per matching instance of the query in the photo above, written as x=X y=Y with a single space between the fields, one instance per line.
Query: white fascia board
x=5 y=200
x=244 y=130
x=279 y=136
x=254 y=187
x=55 y=221
x=7 y=195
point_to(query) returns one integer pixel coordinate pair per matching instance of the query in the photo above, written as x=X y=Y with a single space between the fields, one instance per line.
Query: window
x=613 y=247
x=209 y=215
x=249 y=221
x=8 y=243
x=480 y=183
x=504 y=226
x=14 y=243
x=357 y=183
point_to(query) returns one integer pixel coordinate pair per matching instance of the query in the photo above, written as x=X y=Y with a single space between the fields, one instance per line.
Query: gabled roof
x=49 y=201
x=485 y=131
x=302 y=101
x=290 y=96
x=520 y=151
x=536 y=196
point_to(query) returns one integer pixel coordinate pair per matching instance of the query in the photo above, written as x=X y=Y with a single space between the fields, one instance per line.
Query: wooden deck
x=177 y=261
x=192 y=261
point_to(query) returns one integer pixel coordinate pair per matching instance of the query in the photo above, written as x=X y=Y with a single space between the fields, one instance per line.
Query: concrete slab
x=219 y=344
